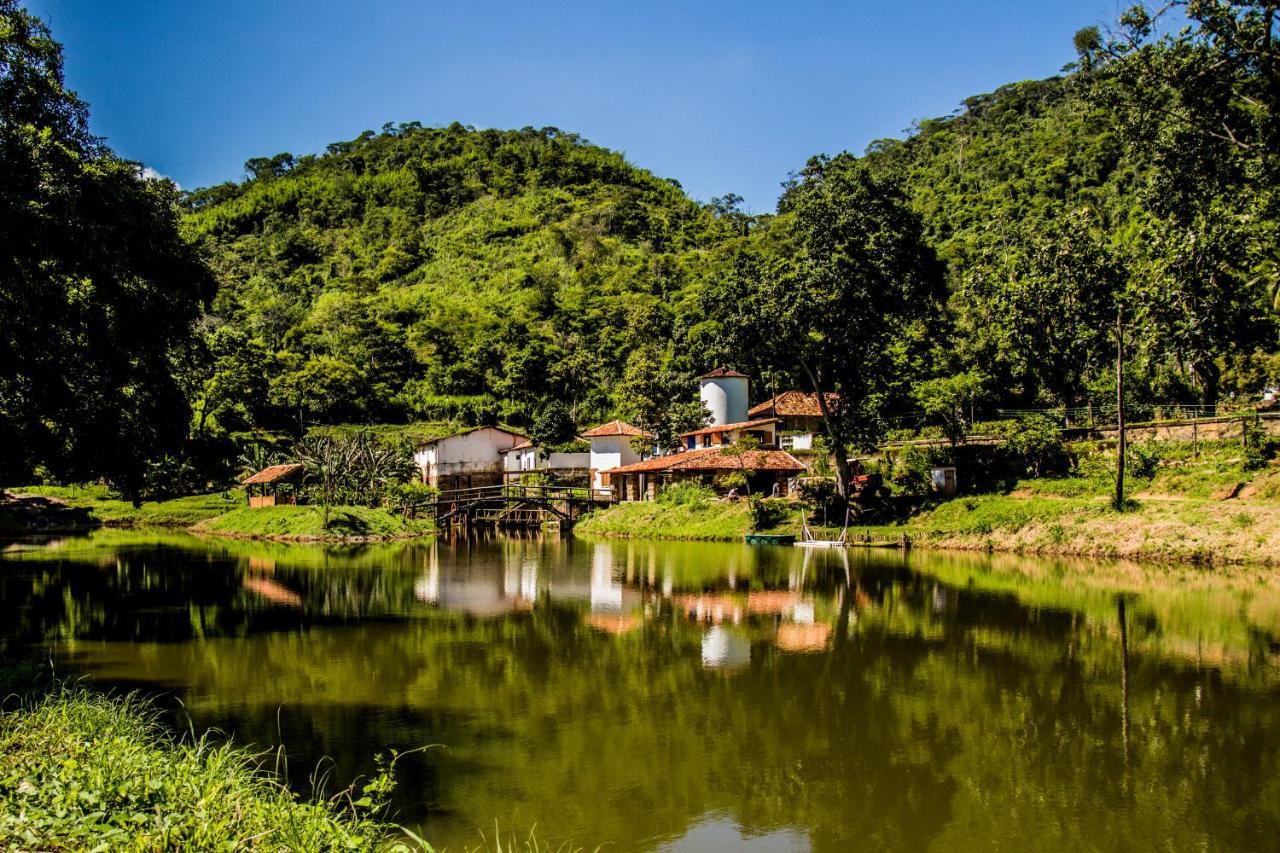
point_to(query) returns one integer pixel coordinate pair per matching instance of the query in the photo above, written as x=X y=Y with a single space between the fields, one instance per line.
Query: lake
x=698 y=696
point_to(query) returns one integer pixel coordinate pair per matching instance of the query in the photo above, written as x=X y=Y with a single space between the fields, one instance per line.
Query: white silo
x=724 y=393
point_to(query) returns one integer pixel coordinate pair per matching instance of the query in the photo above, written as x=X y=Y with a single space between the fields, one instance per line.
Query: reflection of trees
x=955 y=710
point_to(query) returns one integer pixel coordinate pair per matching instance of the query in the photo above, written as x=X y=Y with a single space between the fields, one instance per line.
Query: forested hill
x=1029 y=150
x=441 y=273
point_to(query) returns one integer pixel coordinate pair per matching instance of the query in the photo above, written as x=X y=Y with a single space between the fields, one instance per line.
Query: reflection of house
x=527 y=458
x=798 y=412
x=467 y=459
x=763 y=468
x=275 y=484
x=611 y=448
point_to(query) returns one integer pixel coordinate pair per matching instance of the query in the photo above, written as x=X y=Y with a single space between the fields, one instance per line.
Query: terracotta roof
x=758 y=460
x=711 y=430
x=711 y=459
x=659 y=463
x=274 y=474
x=614 y=428
x=794 y=404
x=722 y=372
x=524 y=445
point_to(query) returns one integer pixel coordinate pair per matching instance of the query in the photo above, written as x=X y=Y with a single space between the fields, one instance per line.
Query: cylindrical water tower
x=724 y=393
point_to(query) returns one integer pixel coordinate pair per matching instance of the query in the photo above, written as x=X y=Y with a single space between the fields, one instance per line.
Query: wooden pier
x=515 y=505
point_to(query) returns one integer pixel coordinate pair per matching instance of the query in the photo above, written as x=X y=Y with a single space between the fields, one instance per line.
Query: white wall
x=474 y=451
x=609 y=452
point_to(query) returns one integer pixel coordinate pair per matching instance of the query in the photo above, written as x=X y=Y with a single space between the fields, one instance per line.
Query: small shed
x=275 y=484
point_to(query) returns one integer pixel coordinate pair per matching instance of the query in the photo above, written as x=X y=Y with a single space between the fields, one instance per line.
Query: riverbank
x=58 y=509
x=307 y=524
x=79 y=770
x=1204 y=506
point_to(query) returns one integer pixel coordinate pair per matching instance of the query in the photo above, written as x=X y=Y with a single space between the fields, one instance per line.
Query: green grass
x=80 y=771
x=106 y=507
x=307 y=522
x=659 y=520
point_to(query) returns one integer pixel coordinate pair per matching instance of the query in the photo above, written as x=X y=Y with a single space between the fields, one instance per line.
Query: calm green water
x=673 y=696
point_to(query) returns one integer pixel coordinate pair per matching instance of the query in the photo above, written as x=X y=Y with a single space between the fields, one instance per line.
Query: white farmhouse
x=467 y=459
x=611 y=448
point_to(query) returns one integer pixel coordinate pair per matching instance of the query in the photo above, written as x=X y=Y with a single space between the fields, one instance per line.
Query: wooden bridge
x=516 y=506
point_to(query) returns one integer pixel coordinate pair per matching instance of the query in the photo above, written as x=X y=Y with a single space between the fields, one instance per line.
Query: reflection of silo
x=724 y=648
x=724 y=393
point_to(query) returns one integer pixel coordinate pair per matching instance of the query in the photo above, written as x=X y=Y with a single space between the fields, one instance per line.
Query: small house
x=466 y=459
x=611 y=447
x=275 y=485
x=528 y=458
x=798 y=413
x=763 y=430
x=764 y=470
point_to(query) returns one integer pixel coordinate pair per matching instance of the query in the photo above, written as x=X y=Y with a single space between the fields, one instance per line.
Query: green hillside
x=436 y=273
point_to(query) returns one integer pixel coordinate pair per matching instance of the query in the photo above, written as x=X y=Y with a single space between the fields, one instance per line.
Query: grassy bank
x=305 y=523
x=39 y=508
x=81 y=771
x=1203 y=506
x=687 y=515
x=100 y=506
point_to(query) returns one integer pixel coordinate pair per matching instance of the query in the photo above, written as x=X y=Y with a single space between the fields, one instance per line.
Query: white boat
x=807 y=540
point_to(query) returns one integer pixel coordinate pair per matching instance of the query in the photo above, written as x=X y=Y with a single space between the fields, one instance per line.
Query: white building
x=611 y=448
x=527 y=458
x=467 y=459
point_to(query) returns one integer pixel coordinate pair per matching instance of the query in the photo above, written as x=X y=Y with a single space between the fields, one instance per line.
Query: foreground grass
x=80 y=771
x=105 y=507
x=307 y=522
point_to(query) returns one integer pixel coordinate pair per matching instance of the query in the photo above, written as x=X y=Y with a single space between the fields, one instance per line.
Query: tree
x=1036 y=310
x=948 y=399
x=552 y=426
x=743 y=451
x=98 y=287
x=829 y=291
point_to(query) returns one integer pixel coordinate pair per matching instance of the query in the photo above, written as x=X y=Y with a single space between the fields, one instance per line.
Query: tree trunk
x=839 y=446
x=1119 y=500
x=1208 y=374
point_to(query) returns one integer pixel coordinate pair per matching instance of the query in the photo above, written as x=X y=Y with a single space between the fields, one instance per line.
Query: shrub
x=688 y=494
x=767 y=512
x=1144 y=459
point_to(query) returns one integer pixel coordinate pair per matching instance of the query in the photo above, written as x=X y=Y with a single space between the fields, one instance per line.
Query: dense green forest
x=981 y=264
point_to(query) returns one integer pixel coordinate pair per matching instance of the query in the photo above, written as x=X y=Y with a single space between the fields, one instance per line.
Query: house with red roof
x=612 y=446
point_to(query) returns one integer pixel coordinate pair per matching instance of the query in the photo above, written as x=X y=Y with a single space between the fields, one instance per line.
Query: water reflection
x=687 y=696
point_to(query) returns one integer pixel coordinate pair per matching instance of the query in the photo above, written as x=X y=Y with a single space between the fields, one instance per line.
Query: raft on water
x=769 y=538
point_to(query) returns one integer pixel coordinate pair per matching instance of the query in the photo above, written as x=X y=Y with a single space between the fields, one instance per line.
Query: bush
x=688 y=494
x=816 y=492
x=1144 y=459
x=767 y=512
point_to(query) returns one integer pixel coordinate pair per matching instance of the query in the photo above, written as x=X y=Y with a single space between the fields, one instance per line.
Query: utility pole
x=1120 y=407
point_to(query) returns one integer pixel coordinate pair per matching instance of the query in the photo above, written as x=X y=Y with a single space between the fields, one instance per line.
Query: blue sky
x=722 y=96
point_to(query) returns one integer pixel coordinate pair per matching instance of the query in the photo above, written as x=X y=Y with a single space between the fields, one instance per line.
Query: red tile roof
x=614 y=428
x=711 y=430
x=753 y=460
x=722 y=372
x=275 y=474
x=793 y=404
x=711 y=459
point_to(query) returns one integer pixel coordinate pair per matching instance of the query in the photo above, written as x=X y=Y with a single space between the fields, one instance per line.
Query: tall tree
x=98 y=287
x=829 y=292
x=1036 y=309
